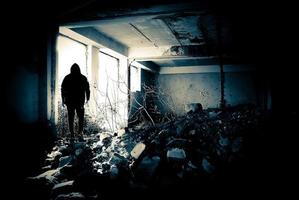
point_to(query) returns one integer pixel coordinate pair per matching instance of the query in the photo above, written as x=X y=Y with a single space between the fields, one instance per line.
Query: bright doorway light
x=69 y=52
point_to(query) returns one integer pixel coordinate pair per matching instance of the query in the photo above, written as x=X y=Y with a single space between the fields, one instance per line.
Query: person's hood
x=75 y=69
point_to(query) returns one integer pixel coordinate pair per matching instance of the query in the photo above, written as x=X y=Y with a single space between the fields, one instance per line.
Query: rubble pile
x=190 y=149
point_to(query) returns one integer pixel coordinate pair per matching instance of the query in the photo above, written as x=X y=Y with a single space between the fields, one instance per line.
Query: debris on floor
x=200 y=144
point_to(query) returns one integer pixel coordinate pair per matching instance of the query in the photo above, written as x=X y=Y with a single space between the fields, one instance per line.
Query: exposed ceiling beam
x=205 y=69
x=160 y=58
x=104 y=40
x=190 y=51
x=76 y=36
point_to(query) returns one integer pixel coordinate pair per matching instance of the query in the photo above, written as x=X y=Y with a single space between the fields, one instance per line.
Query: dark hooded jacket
x=75 y=87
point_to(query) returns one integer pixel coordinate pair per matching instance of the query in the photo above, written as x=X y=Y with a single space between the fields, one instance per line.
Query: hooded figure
x=74 y=92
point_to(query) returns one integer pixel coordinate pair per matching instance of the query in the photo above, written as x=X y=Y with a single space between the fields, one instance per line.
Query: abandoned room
x=181 y=101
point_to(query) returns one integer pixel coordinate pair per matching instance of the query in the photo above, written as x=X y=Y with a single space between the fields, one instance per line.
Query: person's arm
x=87 y=90
x=63 y=91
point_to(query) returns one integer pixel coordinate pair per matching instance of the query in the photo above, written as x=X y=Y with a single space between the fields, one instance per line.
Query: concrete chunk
x=49 y=175
x=70 y=196
x=137 y=150
x=194 y=107
x=176 y=154
x=63 y=188
x=64 y=184
x=65 y=161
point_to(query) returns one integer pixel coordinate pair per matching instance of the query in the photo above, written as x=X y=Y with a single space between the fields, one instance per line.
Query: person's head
x=75 y=69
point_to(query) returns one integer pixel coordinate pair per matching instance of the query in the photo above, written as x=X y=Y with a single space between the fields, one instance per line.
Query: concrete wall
x=26 y=86
x=205 y=89
x=24 y=93
x=190 y=88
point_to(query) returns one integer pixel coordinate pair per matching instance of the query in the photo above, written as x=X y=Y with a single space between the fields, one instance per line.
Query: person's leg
x=80 y=113
x=71 y=115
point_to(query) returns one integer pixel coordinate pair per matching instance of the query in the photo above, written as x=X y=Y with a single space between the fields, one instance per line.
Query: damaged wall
x=191 y=88
x=205 y=89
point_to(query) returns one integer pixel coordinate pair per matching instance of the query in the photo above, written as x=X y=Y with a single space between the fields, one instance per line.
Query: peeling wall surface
x=204 y=88
x=191 y=88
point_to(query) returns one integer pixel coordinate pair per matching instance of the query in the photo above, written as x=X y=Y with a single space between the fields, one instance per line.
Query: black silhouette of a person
x=74 y=92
